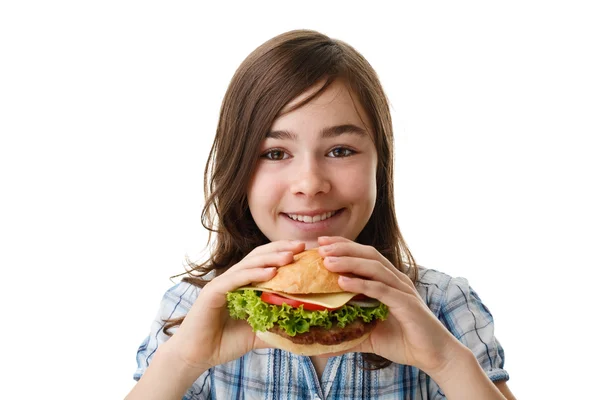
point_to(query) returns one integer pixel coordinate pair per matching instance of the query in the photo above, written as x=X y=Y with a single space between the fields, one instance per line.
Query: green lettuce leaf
x=246 y=304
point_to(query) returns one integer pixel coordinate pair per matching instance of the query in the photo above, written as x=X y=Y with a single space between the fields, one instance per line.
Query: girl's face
x=316 y=173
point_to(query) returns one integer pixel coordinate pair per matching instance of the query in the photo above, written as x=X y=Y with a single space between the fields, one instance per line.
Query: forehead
x=336 y=104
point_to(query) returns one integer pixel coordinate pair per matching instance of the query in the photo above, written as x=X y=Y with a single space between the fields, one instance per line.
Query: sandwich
x=303 y=310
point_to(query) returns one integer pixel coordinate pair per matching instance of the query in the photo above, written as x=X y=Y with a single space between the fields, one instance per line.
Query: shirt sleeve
x=176 y=303
x=471 y=322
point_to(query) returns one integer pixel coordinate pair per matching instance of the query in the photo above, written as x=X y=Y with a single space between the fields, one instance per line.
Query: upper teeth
x=310 y=220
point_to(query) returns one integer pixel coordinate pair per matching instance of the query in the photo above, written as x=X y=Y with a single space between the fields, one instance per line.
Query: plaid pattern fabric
x=274 y=374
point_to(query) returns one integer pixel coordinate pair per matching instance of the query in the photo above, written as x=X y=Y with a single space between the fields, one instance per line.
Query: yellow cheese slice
x=329 y=300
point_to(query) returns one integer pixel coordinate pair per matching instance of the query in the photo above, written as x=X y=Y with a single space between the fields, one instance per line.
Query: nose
x=310 y=179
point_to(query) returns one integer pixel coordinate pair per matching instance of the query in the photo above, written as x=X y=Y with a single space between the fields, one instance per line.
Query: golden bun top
x=305 y=275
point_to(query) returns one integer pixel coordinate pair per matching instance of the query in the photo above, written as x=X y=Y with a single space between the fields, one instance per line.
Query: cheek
x=264 y=191
x=357 y=182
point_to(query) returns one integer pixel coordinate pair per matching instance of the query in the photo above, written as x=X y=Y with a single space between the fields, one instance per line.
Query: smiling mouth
x=311 y=220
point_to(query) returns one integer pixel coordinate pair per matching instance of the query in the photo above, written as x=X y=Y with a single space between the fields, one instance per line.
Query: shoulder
x=183 y=292
x=432 y=277
x=432 y=286
x=175 y=303
x=439 y=290
x=458 y=307
x=178 y=300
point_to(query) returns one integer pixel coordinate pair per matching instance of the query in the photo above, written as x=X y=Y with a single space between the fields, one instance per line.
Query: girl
x=303 y=158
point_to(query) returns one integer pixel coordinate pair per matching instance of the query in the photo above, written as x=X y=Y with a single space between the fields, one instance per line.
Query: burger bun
x=305 y=275
x=314 y=349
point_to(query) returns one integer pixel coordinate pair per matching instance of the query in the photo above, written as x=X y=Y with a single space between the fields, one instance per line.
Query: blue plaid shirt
x=276 y=374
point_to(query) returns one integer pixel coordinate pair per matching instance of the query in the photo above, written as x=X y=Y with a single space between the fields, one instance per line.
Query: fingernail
x=270 y=269
x=344 y=278
x=327 y=248
x=285 y=253
x=332 y=259
x=296 y=242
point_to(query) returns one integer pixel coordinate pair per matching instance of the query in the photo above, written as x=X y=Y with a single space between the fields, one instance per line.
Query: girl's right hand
x=208 y=336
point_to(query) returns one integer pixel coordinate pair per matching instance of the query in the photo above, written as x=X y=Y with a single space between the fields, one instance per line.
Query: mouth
x=311 y=219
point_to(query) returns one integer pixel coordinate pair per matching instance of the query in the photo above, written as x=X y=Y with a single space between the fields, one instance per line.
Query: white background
x=108 y=109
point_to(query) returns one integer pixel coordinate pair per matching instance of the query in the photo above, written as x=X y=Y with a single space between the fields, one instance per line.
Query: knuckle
x=345 y=248
x=362 y=284
x=257 y=250
x=281 y=245
x=270 y=247
x=404 y=278
x=285 y=256
x=277 y=257
x=381 y=287
x=370 y=251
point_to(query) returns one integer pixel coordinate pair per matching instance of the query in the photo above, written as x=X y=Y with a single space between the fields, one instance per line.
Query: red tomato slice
x=274 y=298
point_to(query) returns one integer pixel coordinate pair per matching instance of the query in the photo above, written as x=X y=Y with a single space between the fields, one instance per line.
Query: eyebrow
x=329 y=132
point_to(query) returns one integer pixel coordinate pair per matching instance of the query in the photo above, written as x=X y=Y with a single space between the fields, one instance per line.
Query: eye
x=340 y=152
x=275 y=155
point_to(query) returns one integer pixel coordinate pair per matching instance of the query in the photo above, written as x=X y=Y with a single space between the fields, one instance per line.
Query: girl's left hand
x=411 y=334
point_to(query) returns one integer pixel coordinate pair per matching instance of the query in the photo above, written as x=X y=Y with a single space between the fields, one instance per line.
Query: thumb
x=261 y=344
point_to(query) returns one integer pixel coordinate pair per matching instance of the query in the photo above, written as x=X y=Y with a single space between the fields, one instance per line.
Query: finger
x=241 y=329
x=365 y=268
x=260 y=344
x=350 y=248
x=337 y=245
x=295 y=246
x=345 y=247
x=236 y=277
x=270 y=259
x=215 y=292
x=325 y=240
x=386 y=294
x=232 y=278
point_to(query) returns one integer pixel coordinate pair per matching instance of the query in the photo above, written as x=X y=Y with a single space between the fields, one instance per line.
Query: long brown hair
x=268 y=79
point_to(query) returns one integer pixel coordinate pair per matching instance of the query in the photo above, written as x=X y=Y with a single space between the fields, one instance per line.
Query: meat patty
x=331 y=336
